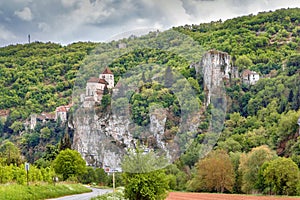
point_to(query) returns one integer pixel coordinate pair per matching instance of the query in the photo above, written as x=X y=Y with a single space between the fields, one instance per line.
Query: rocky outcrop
x=103 y=138
x=216 y=68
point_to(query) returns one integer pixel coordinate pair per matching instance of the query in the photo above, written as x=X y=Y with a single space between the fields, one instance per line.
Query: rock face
x=103 y=138
x=216 y=68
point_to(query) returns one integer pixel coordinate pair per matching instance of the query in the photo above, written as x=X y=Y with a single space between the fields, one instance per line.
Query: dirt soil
x=206 y=196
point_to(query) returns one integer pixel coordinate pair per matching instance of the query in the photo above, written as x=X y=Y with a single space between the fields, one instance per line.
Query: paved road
x=85 y=196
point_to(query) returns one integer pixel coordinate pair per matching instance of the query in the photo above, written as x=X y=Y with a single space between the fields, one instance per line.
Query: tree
x=282 y=175
x=243 y=62
x=89 y=176
x=1 y=126
x=230 y=145
x=45 y=133
x=65 y=142
x=144 y=179
x=293 y=64
x=106 y=100
x=17 y=127
x=169 y=79
x=251 y=163
x=216 y=172
x=10 y=153
x=69 y=163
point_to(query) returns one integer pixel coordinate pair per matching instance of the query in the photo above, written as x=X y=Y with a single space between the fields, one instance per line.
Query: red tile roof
x=248 y=72
x=102 y=81
x=107 y=71
x=97 y=80
x=61 y=109
x=93 y=80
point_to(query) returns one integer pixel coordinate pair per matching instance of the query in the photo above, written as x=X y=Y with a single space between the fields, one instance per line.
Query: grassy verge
x=43 y=191
x=109 y=196
x=118 y=195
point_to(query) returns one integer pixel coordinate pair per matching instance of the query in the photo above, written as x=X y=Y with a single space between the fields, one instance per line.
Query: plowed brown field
x=206 y=196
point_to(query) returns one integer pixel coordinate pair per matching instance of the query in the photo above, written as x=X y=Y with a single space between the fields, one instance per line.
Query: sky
x=68 y=21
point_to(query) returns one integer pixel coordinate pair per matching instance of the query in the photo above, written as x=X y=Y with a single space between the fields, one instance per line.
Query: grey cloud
x=210 y=10
x=68 y=21
x=24 y=14
x=6 y=35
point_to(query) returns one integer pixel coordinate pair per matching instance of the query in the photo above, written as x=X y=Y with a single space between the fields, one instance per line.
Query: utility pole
x=27 y=170
x=114 y=183
x=28 y=38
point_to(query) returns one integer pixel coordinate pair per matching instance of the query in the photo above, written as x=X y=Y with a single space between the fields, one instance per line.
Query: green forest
x=259 y=147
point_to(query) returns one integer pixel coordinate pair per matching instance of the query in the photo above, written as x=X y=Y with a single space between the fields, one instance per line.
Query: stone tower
x=109 y=77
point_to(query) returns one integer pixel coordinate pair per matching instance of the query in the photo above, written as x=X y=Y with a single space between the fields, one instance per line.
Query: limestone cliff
x=103 y=138
x=216 y=68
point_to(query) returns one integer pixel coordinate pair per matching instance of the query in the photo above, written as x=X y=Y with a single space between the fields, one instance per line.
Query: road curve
x=85 y=196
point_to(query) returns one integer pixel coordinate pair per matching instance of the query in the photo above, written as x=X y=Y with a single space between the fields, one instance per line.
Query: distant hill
x=39 y=77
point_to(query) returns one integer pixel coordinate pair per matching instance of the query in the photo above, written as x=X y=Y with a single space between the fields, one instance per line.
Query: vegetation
x=259 y=144
x=118 y=195
x=43 y=191
x=143 y=178
x=281 y=176
x=69 y=163
x=250 y=164
x=215 y=173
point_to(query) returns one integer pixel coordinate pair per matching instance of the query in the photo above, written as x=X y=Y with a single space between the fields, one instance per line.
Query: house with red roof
x=61 y=112
x=95 y=87
x=108 y=76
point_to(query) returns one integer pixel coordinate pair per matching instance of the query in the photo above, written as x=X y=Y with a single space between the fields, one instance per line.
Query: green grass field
x=41 y=191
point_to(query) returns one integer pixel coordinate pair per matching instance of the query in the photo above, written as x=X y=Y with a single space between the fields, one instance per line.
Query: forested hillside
x=39 y=77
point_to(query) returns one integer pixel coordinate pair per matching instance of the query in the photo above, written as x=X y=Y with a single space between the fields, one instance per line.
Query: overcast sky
x=67 y=21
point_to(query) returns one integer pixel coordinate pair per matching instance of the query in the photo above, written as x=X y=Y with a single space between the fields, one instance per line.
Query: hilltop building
x=250 y=77
x=95 y=87
x=61 y=112
x=43 y=118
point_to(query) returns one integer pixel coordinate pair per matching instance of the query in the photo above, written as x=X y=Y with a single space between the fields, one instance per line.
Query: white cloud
x=24 y=14
x=67 y=21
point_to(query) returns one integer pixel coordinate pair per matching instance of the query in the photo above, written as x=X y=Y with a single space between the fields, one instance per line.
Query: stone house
x=95 y=87
x=250 y=77
x=61 y=112
x=43 y=118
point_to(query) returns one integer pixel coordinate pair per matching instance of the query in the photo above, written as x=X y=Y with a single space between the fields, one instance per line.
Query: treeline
x=39 y=76
x=258 y=171
x=50 y=168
